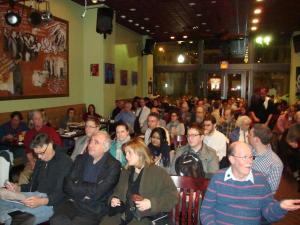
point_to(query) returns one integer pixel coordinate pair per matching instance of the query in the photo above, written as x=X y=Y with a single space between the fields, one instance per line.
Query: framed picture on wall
x=94 y=70
x=109 y=76
x=150 y=88
x=298 y=80
x=134 y=78
x=33 y=59
x=123 y=77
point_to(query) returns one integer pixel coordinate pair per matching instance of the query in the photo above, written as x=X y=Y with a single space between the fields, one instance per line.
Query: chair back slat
x=191 y=192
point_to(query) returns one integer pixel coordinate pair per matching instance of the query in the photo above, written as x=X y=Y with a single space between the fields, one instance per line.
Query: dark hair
x=16 y=113
x=93 y=106
x=293 y=134
x=121 y=123
x=209 y=117
x=70 y=109
x=197 y=127
x=263 y=133
x=39 y=140
x=162 y=134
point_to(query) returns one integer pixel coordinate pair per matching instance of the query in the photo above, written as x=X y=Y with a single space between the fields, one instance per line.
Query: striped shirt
x=239 y=202
x=270 y=165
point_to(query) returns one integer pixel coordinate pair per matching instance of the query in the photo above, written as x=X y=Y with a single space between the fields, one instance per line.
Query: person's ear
x=231 y=159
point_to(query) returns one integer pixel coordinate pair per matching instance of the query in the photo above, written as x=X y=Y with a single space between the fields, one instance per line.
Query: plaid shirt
x=270 y=165
x=226 y=128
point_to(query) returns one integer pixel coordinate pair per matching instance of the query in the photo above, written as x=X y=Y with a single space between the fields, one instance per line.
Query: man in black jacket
x=91 y=182
x=45 y=190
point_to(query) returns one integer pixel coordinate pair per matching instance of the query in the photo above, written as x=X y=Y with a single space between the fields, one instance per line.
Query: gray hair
x=242 y=120
x=107 y=143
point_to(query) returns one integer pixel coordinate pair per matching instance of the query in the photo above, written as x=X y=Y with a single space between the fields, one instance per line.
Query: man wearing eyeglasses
x=267 y=162
x=201 y=152
x=240 y=195
x=45 y=190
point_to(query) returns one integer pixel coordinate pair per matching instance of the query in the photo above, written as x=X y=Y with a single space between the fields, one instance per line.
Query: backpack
x=189 y=164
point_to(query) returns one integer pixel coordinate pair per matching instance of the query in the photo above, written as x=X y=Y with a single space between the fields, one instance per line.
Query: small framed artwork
x=150 y=87
x=109 y=73
x=134 y=78
x=94 y=70
x=123 y=77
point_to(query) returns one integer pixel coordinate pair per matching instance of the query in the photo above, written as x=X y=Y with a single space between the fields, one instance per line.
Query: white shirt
x=243 y=137
x=144 y=114
x=218 y=142
x=229 y=175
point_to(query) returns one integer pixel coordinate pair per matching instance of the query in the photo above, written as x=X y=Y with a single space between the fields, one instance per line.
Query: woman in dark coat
x=144 y=192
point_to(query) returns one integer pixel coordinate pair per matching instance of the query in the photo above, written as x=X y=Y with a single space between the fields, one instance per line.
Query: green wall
x=86 y=47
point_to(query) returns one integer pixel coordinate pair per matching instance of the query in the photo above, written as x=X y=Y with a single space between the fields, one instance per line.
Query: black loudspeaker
x=296 y=41
x=149 y=47
x=104 y=21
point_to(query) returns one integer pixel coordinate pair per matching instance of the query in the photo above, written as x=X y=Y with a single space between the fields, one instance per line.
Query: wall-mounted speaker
x=104 y=21
x=149 y=47
x=296 y=41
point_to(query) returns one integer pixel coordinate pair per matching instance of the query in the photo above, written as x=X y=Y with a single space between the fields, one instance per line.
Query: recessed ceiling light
x=198 y=14
x=166 y=32
x=123 y=16
x=191 y=42
x=146 y=18
x=192 y=3
x=207 y=30
x=130 y=21
x=259 y=0
x=195 y=27
x=213 y=2
x=255 y=20
x=185 y=36
x=152 y=33
x=179 y=42
x=142 y=28
x=172 y=37
x=157 y=26
x=147 y=30
x=137 y=24
x=203 y=23
x=254 y=28
x=132 y=9
x=257 y=11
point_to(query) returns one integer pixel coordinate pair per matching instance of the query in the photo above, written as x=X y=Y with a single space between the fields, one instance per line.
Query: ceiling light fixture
x=146 y=18
x=257 y=11
x=192 y=3
x=203 y=23
x=142 y=28
x=259 y=0
x=123 y=16
x=195 y=27
x=148 y=31
x=130 y=21
x=198 y=14
x=172 y=37
x=185 y=36
x=157 y=26
x=12 y=18
x=94 y=1
x=213 y=2
x=137 y=24
x=255 y=20
x=254 y=28
x=132 y=9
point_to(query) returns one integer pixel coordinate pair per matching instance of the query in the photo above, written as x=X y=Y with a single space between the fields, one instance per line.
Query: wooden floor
x=288 y=189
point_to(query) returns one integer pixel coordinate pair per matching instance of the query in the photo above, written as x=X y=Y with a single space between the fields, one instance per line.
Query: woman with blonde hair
x=145 y=192
x=241 y=130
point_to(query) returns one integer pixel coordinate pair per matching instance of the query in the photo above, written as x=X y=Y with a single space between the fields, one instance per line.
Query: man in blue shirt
x=10 y=131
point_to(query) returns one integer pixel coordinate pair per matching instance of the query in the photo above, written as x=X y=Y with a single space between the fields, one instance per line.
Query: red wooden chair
x=191 y=191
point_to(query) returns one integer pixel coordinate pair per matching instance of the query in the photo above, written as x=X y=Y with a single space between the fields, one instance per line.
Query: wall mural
x=33 y=60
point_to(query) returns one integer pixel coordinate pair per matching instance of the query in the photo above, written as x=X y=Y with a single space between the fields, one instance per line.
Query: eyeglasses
x=90 y=127
x=43 y=152
x=252 y=157
x=192 y=135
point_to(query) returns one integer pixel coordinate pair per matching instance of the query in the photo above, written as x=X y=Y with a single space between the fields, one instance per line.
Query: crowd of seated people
x=126 y=180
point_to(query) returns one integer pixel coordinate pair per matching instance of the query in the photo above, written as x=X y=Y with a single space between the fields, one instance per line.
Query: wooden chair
x=191 y=192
